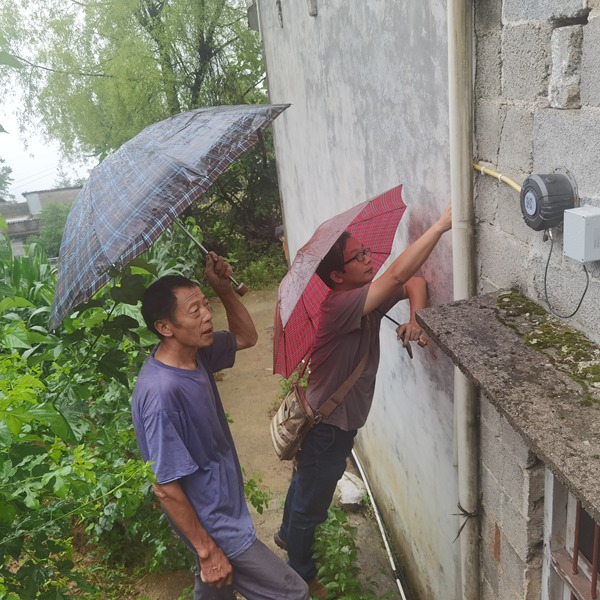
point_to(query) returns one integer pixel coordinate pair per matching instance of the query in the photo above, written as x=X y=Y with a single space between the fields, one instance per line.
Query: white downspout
x=460 y=92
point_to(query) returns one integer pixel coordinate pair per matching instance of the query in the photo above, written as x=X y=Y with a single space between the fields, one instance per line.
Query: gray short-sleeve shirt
x=341 y=341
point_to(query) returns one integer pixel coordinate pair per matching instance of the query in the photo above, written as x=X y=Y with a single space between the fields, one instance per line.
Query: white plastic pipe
x=460 y=92
x=395 y=568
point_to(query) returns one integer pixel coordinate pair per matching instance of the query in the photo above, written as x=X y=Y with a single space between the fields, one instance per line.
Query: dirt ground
x=250 y=394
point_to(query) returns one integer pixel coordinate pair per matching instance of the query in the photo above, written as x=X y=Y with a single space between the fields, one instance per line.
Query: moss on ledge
x=569 y=351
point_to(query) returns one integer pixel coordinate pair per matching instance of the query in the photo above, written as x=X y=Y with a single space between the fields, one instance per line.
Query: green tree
x=96 y=72
x=53 y=218
x=99 y=71
x=5 y=178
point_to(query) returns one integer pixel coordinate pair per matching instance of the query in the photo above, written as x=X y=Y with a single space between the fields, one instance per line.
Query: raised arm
x=407 y=264
x=239 y=321
x=215 y=568
x=415 y=289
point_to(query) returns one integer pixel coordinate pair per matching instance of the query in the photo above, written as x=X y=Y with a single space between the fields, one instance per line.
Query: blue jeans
x=321 y=462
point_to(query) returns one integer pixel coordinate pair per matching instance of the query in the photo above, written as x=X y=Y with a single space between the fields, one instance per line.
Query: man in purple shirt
x=181 y=427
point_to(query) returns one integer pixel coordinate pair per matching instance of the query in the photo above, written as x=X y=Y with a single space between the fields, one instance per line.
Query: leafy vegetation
x=6 y=178
x=336 y=553
x=92 y=75
x=53 y=218
x=71 y=480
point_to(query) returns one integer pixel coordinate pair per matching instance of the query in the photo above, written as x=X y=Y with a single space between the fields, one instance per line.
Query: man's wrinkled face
x=192 y=322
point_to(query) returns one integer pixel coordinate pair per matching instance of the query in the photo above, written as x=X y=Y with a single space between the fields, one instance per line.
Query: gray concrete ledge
x=542 y=404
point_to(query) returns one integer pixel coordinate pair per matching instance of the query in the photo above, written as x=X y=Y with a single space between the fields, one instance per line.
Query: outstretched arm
x=215 y=568
x=415 y=290
x=407 y=264
x=239 y=321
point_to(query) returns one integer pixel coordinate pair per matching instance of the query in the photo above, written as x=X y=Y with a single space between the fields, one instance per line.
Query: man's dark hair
x=159 y=300
x=333 y=260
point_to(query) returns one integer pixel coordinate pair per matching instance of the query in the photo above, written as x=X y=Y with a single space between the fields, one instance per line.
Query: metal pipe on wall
x=460 y=93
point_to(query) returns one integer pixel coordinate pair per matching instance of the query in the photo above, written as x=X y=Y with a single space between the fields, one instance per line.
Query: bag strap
x=340 y=394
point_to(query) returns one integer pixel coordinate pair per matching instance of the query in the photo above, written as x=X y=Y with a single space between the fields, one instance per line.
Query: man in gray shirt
x=348 y=328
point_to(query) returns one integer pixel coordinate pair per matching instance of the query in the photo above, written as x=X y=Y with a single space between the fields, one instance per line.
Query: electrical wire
x=398 y=574
x=548 y=234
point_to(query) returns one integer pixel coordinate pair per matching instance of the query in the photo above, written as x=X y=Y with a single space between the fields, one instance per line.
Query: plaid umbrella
x=301 y=291
x=136 y=193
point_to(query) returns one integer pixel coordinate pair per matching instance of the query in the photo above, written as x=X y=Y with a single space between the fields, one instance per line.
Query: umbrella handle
x=241 y=289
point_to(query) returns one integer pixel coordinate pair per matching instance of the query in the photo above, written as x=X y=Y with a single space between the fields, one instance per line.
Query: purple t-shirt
x=342 y=340
x=181 y=426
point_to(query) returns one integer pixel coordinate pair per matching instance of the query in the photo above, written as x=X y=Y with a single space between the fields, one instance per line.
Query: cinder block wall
x=512 y=511
x=537 y=107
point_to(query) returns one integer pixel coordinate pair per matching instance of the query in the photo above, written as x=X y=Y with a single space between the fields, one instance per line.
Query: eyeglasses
x=360 y=256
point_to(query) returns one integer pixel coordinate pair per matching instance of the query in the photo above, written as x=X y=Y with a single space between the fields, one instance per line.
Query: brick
x=488 y=65
x=513 y=269
x=590 y=66
x=564 y=89
x=542 y=10
x=489 y=120
x=488 y=15
x=565 y=138
x=526 y=61
x=516 y=148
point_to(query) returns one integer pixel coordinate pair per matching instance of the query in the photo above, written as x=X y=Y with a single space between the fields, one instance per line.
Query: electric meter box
x=582 y=233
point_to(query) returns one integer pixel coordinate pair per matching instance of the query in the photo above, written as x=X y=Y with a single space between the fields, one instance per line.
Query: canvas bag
x=295 y=418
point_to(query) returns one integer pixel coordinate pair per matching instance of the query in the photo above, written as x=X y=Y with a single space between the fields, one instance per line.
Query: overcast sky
x=35 y=167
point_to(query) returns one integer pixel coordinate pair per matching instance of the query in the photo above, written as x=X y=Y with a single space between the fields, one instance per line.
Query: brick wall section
x=512 y=488
x=537 y=108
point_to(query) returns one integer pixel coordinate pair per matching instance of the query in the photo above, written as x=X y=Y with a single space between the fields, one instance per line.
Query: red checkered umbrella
x=301 y=291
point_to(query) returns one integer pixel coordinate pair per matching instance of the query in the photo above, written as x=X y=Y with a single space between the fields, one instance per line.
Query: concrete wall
x=368 y=86
x=537 y=109
x=37 y=201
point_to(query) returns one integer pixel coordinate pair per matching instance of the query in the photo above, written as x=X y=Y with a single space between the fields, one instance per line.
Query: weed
x=258 y=497
x=336 y=553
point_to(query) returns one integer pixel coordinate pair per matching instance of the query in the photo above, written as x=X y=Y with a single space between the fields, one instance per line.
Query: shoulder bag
x=295 y=418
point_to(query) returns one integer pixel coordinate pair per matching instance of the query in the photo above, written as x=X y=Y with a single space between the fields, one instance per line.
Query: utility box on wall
x=582 y=234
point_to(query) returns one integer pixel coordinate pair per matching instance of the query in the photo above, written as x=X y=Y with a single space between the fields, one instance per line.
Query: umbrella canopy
x=301 y=291
x=136 y=193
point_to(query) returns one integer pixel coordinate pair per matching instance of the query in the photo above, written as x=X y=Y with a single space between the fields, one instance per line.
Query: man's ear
x=336 y=277
x=163 y=328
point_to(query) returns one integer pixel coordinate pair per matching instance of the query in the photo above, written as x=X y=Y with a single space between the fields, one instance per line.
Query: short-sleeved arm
x=221 y=353
x=164 y=434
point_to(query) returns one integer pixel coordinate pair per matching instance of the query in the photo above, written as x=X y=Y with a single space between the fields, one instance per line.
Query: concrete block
x=488 y=65
x=512 y=270
x=487 y=591
x=489 y=120
x=513 y=571
x=516 y=149
x=590 y=66
x=565 y=285
x=565 y=75
x=492 y=452
x=569 y=139
x=542 y=10
x=509 y=216
x=490 y=494
x=526 y=61
x=489 y=415
x=489 y=565
x=517 y=447
x=488 y=16
x=514 y=526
